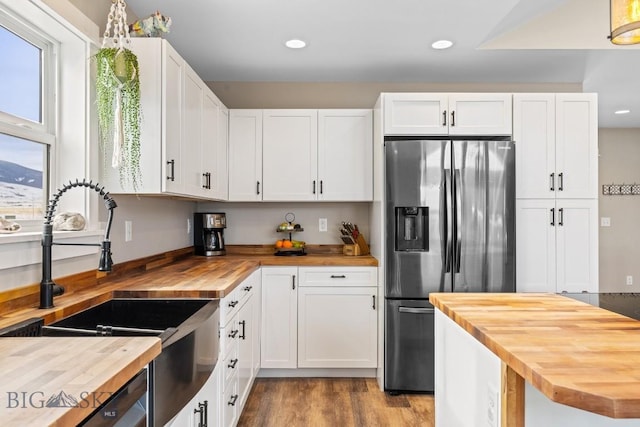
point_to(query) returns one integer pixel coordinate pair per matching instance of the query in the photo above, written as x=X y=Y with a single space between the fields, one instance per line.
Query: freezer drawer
x=409 y=346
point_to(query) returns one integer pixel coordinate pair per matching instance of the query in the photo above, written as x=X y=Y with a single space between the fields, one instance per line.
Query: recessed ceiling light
x=295 y=44
x=442 y=44
x=622 y=112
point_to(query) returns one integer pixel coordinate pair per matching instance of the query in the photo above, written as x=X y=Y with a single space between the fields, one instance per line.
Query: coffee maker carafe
x=208 y=233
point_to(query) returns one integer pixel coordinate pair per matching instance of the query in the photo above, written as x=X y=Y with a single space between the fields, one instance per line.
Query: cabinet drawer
x=229 y=336
x=230 y=368
x=247 y=287
x=338 y=276
x=229 y=306
x=230 y=403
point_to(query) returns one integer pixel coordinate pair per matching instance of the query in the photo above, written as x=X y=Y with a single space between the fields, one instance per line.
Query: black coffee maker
x=208 y=233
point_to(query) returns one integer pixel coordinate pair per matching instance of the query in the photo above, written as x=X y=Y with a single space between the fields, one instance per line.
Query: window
x=26 y=131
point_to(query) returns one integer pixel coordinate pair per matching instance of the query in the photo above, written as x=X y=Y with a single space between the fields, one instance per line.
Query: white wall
x=256 y=223
x=619 y=153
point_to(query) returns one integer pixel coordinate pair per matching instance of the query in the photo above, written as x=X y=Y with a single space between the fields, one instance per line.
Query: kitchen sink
x=188 y=329
x=131 y=317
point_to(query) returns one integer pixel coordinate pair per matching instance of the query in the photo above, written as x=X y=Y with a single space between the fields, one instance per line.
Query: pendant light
x=625 y=21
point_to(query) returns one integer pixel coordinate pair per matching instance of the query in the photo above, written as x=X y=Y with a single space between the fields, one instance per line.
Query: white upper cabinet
x=245 y=155
x=290 y=155
x=345 y=150
x=301 y=155
x=195 y=179
x=220 y=178
x=415 y=114
x=447 y=114
x=179 y=127
x=556 y=145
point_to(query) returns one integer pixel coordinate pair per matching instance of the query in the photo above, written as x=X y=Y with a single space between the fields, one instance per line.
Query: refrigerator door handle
x=448 y=220
x=458 y=220
x=415 y=310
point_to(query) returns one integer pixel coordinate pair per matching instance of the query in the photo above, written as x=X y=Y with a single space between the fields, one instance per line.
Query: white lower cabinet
x=279 y=340
x=557 y=245
x=319 y=317
x=337 y=327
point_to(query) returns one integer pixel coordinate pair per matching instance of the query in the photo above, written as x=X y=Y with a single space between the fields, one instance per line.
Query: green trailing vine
x=118 y=76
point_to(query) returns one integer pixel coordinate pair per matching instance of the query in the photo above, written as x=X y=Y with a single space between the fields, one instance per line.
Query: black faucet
x=48 y=289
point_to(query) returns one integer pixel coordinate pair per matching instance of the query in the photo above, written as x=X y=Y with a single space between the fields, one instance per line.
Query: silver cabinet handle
x=416 y=310
x=172 y=175
x=561 y=216
x=561 y=181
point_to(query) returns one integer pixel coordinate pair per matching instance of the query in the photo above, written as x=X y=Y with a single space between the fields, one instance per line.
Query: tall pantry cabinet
x=556 y=192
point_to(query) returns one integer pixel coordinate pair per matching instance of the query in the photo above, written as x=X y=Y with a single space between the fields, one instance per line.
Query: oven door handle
x=416 y=310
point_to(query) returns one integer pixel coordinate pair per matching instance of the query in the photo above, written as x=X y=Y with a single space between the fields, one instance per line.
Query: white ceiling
x=510 y=41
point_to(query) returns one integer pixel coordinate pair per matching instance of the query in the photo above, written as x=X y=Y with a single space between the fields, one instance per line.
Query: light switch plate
x=322 y=224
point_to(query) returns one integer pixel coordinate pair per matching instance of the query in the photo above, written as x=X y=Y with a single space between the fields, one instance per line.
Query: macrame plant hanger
x=117 y=38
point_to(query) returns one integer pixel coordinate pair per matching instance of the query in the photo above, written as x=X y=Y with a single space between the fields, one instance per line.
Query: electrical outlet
x=188 y=225
x=605 y=222
x=322 y=224
x=629 y=280
x=128 y=231
x=492 y=406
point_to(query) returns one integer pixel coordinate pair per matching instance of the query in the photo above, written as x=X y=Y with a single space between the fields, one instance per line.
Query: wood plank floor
x=332 y=402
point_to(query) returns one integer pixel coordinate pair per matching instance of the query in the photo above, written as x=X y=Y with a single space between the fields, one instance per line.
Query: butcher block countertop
x=575 y=354
x=35 y=370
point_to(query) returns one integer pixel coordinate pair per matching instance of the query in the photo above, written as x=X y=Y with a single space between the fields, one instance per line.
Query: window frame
x=43 y=132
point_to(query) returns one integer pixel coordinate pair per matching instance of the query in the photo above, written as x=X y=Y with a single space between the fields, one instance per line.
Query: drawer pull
x=248 y=288
x=244 y=330
x=233 y=304
x=233 y=333
x=338 y=276
x=232 y=364
x=233 y=400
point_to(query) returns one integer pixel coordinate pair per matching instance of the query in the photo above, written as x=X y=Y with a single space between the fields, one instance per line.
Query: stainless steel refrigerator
x=450 y=227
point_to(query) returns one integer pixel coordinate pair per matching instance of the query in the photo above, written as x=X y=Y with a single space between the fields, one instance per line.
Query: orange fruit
x=287 y=244
x=278 y=243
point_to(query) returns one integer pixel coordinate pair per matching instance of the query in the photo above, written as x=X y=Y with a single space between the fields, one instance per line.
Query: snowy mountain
x=61 y=400
x=13 y=173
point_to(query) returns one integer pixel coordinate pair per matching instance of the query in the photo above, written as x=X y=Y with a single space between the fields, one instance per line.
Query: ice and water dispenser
x=412 y=228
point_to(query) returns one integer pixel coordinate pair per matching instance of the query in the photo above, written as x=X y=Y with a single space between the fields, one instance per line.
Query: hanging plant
x=118 y=98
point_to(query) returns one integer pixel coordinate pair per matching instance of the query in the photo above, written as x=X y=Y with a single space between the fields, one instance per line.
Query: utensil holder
x=351 y=250
x=362 y=245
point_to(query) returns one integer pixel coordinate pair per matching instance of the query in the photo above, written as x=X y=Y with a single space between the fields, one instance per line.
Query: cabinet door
x=279 y=317
x=210 y=135
x=577 y=145
x=246 y=325
x=536 y=245
x=345 y=150
x=415 y=114
x=577 y=245
x=290 y=155
x=534 y=125
x=173 y=70
x=480 y=114
x=337 y=327
x=192 y=153
x=257 y=319
x=245 y=155
x=220 y=177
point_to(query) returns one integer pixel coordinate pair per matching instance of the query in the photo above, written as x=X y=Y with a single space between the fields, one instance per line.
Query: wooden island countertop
x=574 y=353
x=84 y=369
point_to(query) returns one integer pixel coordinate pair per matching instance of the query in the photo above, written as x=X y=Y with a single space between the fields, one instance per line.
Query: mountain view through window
x=22 y=161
